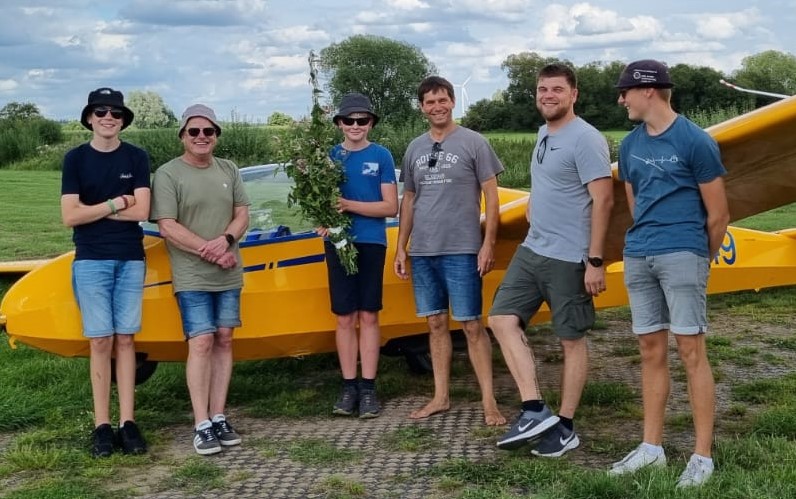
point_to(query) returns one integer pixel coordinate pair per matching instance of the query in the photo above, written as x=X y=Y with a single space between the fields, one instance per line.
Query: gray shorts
x=668 y=292
x=532 y=279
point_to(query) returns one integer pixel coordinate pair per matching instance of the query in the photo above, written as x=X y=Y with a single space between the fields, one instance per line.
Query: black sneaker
x=130 y=439
x=369 y=406
x=226 y=434
x=347 y=403
x=205 y=441
x=529 y=426
x=102 y=438
x=556 y=442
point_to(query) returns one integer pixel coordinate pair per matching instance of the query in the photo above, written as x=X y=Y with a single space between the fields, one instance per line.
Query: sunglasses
x=435 y=150
x=116 y=114
x=622 y=93
x=208 y=132
x=541 y=150
x=359 y=121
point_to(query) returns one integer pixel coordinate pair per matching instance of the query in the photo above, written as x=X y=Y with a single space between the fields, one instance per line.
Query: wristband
x=230 y=238
x=112 y=207
x=126 y=204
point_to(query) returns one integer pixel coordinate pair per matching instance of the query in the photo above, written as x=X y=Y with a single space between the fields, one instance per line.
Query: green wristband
x=112 y=206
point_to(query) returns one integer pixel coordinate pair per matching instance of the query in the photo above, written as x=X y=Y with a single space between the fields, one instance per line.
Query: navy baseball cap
x=645 y=73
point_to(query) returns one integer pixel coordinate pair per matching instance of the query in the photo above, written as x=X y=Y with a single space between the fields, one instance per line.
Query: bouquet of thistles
x=317 y=177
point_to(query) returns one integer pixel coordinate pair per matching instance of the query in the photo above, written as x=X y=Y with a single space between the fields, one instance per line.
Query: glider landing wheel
x=144 y=369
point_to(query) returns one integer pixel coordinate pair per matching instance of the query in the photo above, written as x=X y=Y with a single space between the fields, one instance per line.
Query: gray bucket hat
x=198 y=110
x=355 y=103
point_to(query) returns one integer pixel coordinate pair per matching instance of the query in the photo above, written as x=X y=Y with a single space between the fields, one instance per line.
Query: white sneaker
x=696 y=473
x=637 y=459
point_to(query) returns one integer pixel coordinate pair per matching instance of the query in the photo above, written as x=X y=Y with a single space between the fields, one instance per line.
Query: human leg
x=441 y=348
x=573 y=378
x=127 y=308
x=100 y=366
x=463 y=284
x=701 y=389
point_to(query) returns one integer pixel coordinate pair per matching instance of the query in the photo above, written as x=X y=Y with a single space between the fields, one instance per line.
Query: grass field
x=45 y=415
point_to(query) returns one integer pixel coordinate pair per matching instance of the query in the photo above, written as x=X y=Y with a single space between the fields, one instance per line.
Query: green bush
x=20 y=139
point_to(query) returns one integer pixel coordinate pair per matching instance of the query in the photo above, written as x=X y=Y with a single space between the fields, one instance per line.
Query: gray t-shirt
x=560 y=202
x=447 y=203
x=203 y=200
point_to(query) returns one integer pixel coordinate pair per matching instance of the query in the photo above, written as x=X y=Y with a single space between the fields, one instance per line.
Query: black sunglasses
x=622 y=93
x=208 y=132
x=541 y=150
x=347 y=121
x=116 y=114
x=435 y=150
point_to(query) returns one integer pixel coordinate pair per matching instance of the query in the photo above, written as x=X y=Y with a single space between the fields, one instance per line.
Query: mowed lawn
x=45 y=405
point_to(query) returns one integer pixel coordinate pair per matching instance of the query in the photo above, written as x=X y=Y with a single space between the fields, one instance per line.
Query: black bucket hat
x=106 y=97
x=355 y=103
x=645 y=73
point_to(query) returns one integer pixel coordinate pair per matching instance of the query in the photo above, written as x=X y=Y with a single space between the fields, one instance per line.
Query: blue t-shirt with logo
x=665 y=172
x=365 y=171
x=97 y=176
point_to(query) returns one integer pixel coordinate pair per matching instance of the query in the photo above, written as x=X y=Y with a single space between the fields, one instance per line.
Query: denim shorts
x=109 y=294
x=361 y=291
x=439 y=279
x=532 y=279
x=668 y=292
x=203 y=312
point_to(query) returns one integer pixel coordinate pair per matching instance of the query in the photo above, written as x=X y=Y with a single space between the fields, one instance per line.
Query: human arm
x=387 y=207
x=631 y=200
x=715 y=200
x=404 y=230
x=486 y=255
x=74 y=213
x=601 y=191
x=138 y=206
x=215 y=248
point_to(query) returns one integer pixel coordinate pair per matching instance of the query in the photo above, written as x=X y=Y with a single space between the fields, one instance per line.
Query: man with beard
x=560 y=262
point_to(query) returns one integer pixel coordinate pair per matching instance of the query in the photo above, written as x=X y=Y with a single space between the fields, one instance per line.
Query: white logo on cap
x=105 y=91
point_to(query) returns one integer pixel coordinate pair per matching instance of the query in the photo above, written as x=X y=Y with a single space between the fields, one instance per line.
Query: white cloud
x=725 y=26
x=8 y=85
x=407 y=4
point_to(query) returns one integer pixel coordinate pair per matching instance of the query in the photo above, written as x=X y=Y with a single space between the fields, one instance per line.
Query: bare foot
x=492 y=415
x=433 y=407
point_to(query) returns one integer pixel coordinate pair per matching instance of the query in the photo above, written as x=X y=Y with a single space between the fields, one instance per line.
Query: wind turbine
x=464 y=98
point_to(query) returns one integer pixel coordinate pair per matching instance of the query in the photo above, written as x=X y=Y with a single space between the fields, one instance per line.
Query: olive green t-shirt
x=203 y=201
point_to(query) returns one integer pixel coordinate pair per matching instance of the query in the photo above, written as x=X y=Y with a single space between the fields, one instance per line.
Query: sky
x=248 y=58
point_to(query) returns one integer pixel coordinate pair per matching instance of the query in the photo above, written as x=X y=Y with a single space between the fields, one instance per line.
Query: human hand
x=399 y=264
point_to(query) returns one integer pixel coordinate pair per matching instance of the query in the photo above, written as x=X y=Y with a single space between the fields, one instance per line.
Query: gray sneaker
x=348 y=401
x=529 y=426
x=696 y=473
x=225 y=433
x=205 y=441
x=637 y=458
x=369 y=406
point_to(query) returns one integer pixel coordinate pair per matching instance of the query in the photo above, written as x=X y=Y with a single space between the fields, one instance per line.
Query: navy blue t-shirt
x=96 y=177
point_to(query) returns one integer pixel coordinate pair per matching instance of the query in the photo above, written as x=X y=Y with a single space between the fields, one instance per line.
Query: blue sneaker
x=529 y=426
x=556 y=442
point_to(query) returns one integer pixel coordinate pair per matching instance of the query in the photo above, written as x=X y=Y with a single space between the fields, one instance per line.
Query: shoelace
x=225 y=427
x=208 y=434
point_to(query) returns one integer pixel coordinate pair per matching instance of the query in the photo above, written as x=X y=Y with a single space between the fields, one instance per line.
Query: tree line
x=388 y=71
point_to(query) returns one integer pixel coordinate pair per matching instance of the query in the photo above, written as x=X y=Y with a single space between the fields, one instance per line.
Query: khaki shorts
x=532 y=279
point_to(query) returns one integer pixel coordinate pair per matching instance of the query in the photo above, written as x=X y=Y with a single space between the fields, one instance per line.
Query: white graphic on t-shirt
x=657 y=162
x=370 y=169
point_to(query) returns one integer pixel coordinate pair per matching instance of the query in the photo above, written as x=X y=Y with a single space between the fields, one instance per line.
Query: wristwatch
x=595 y=261
x=230 y=238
